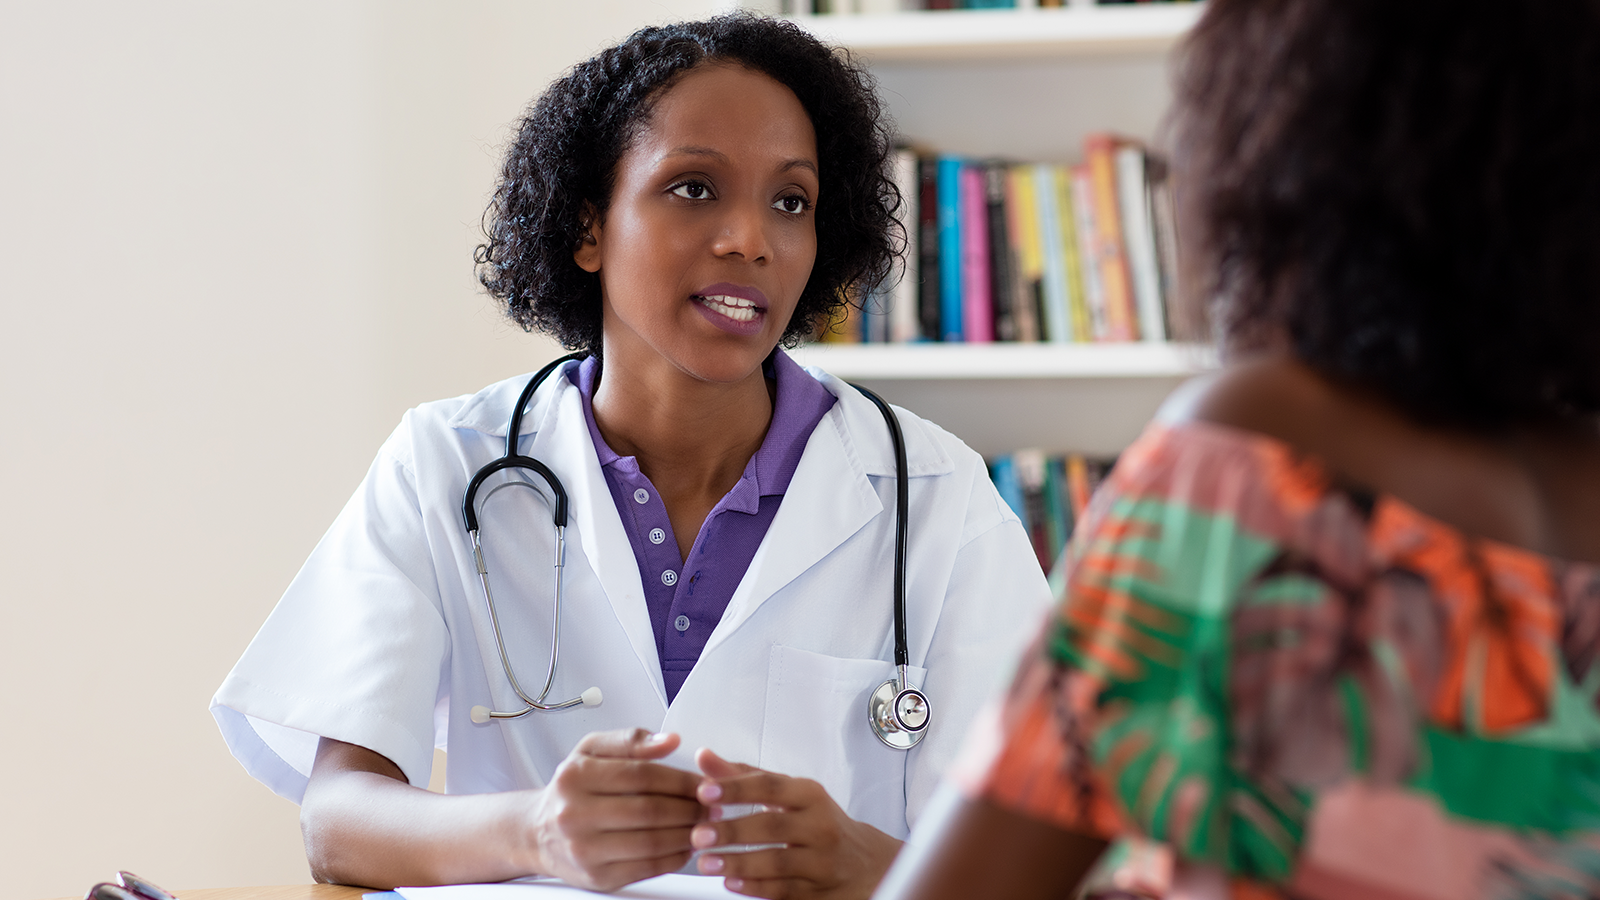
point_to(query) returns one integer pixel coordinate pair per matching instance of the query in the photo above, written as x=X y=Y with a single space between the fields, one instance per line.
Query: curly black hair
x=564 y=160
x=1407 y=194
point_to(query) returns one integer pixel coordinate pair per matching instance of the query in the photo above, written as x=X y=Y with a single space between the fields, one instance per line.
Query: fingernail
x=703 y=836
x=710 y=792
x=659 y=737
x=733 y=884
x=711 y=865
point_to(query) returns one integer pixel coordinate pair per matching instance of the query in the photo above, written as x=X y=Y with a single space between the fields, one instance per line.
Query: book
x=1022 y=213
x=977 y=306
x=1164 y=220
x=950 y=280
x=1109 y=254
x=904 y=324
x=1077 y=303
x=1094 y=294
x=1138 y=233
x=1030 y=469
x=928 y=283
x=1057 y=315
x=1002 y=255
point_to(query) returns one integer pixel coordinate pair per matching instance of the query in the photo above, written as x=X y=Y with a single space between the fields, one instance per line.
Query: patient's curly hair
x=1408 y=193
x=565 y=156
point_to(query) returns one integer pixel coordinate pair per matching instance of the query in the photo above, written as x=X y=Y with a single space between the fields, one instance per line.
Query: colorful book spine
x=950 y=279
x=977 y=305
x=1057 y=315
x=1077 y=302
x=928 y=281
x=1023 y=212
x=1094 y=294
x=1110 y=256
x=1138 y=232
x=1002 y=255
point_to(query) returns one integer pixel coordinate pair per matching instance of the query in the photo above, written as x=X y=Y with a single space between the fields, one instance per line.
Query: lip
x=742 y=297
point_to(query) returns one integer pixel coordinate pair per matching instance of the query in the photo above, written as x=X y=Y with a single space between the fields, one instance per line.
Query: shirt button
x=681 y=623
x=641 y=496
x=669 y=578
x=657 y=535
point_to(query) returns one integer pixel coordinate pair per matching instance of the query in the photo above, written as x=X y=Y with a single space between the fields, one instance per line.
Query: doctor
x=677 y=206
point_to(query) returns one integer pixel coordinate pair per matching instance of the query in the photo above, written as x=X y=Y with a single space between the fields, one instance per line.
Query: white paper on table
x=662 y=887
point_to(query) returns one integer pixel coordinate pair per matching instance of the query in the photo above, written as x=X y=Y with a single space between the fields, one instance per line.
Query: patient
x=1332 y=628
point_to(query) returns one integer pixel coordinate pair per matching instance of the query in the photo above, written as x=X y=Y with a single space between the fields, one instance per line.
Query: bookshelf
x=1026 y=84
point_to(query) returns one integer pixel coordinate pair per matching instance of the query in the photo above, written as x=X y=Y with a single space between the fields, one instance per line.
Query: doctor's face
x=711 y=233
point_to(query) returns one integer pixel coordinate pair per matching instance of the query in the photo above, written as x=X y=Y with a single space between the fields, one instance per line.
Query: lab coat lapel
x=829 y=499
x=563 y=442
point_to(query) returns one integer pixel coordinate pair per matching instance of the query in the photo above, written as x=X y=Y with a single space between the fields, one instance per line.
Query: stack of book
x=1049 y=495
x=1008 y=251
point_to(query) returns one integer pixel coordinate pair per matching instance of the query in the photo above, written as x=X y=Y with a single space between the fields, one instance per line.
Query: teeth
x=737 y=308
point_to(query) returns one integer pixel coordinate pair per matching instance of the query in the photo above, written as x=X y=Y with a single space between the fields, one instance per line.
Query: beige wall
x=234 y=245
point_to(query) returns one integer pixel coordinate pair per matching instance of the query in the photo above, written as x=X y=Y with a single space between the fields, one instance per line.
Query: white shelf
x=1007 y=33
x=999 y=360
x=1091 y=398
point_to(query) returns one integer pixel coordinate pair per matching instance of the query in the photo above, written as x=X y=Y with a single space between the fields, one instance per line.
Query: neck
x=691 y=437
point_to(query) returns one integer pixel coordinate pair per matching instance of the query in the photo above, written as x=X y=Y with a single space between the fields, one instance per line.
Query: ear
x=587 y=255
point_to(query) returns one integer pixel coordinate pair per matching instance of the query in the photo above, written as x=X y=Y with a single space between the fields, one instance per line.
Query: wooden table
x=275 y=892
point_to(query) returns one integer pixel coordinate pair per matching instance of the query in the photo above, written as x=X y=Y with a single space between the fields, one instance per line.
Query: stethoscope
x=897 y=712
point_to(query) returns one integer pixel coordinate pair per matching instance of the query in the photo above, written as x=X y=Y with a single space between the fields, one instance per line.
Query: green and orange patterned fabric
x=1262 y=683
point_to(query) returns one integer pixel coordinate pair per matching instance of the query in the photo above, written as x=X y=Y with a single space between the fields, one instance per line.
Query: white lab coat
x=383 y=639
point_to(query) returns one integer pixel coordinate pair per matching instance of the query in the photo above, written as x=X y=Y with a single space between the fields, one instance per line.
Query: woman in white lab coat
x=678 y=206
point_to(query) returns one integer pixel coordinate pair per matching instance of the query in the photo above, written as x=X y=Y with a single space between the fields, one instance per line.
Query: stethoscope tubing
x=512 y=460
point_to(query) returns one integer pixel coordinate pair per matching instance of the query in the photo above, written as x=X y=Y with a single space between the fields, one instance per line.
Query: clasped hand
x=611 y=816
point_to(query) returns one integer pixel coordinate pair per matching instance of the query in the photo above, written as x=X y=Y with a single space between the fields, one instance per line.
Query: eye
x=793 y=204
x=691 y=190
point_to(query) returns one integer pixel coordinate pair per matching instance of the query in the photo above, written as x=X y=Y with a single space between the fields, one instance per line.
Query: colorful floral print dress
x=1260 y=683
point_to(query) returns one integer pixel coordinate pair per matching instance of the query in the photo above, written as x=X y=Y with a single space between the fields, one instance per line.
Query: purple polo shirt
x=686 y=597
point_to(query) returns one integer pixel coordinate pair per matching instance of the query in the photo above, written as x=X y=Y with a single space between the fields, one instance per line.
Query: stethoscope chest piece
x=898 y=715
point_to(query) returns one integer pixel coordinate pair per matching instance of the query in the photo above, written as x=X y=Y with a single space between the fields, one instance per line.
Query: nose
x=742 y=231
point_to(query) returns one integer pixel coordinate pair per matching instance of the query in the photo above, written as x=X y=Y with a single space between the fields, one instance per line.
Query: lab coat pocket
x=815 y=727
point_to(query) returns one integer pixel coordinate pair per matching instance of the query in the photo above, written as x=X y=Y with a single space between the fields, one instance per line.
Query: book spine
x=928 y=279
x=1023 y=216
x=903 y=312
x=1057 y=318
x=977 y=305
x=1078 y=483
x=950 y=282
x=1137 y=231
x=1094 y=294
x=1163 y=214
x=1030 y=466
x=1003 y=472
x=1077 y=303
x=1110 y=257
x=1002 y=256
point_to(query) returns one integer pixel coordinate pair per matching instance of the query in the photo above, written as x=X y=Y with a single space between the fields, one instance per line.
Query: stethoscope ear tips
x=591 y=697
x=480 y=715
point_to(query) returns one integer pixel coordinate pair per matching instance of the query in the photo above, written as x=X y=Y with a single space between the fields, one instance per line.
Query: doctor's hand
x=610 y=816
x=826 y=853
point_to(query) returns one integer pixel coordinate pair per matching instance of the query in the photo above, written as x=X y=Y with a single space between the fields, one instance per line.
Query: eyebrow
x=723 y=157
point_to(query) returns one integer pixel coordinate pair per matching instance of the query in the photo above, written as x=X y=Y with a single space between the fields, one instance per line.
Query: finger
x=628 y=743
x=758 y=828
x=608 y=775
x=614 y=875
x=715 y=766
x=761 y=786
x=633 y=812
x=788 y=863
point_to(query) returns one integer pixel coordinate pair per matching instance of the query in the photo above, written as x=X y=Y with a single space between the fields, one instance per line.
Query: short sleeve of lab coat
x=356 y=650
